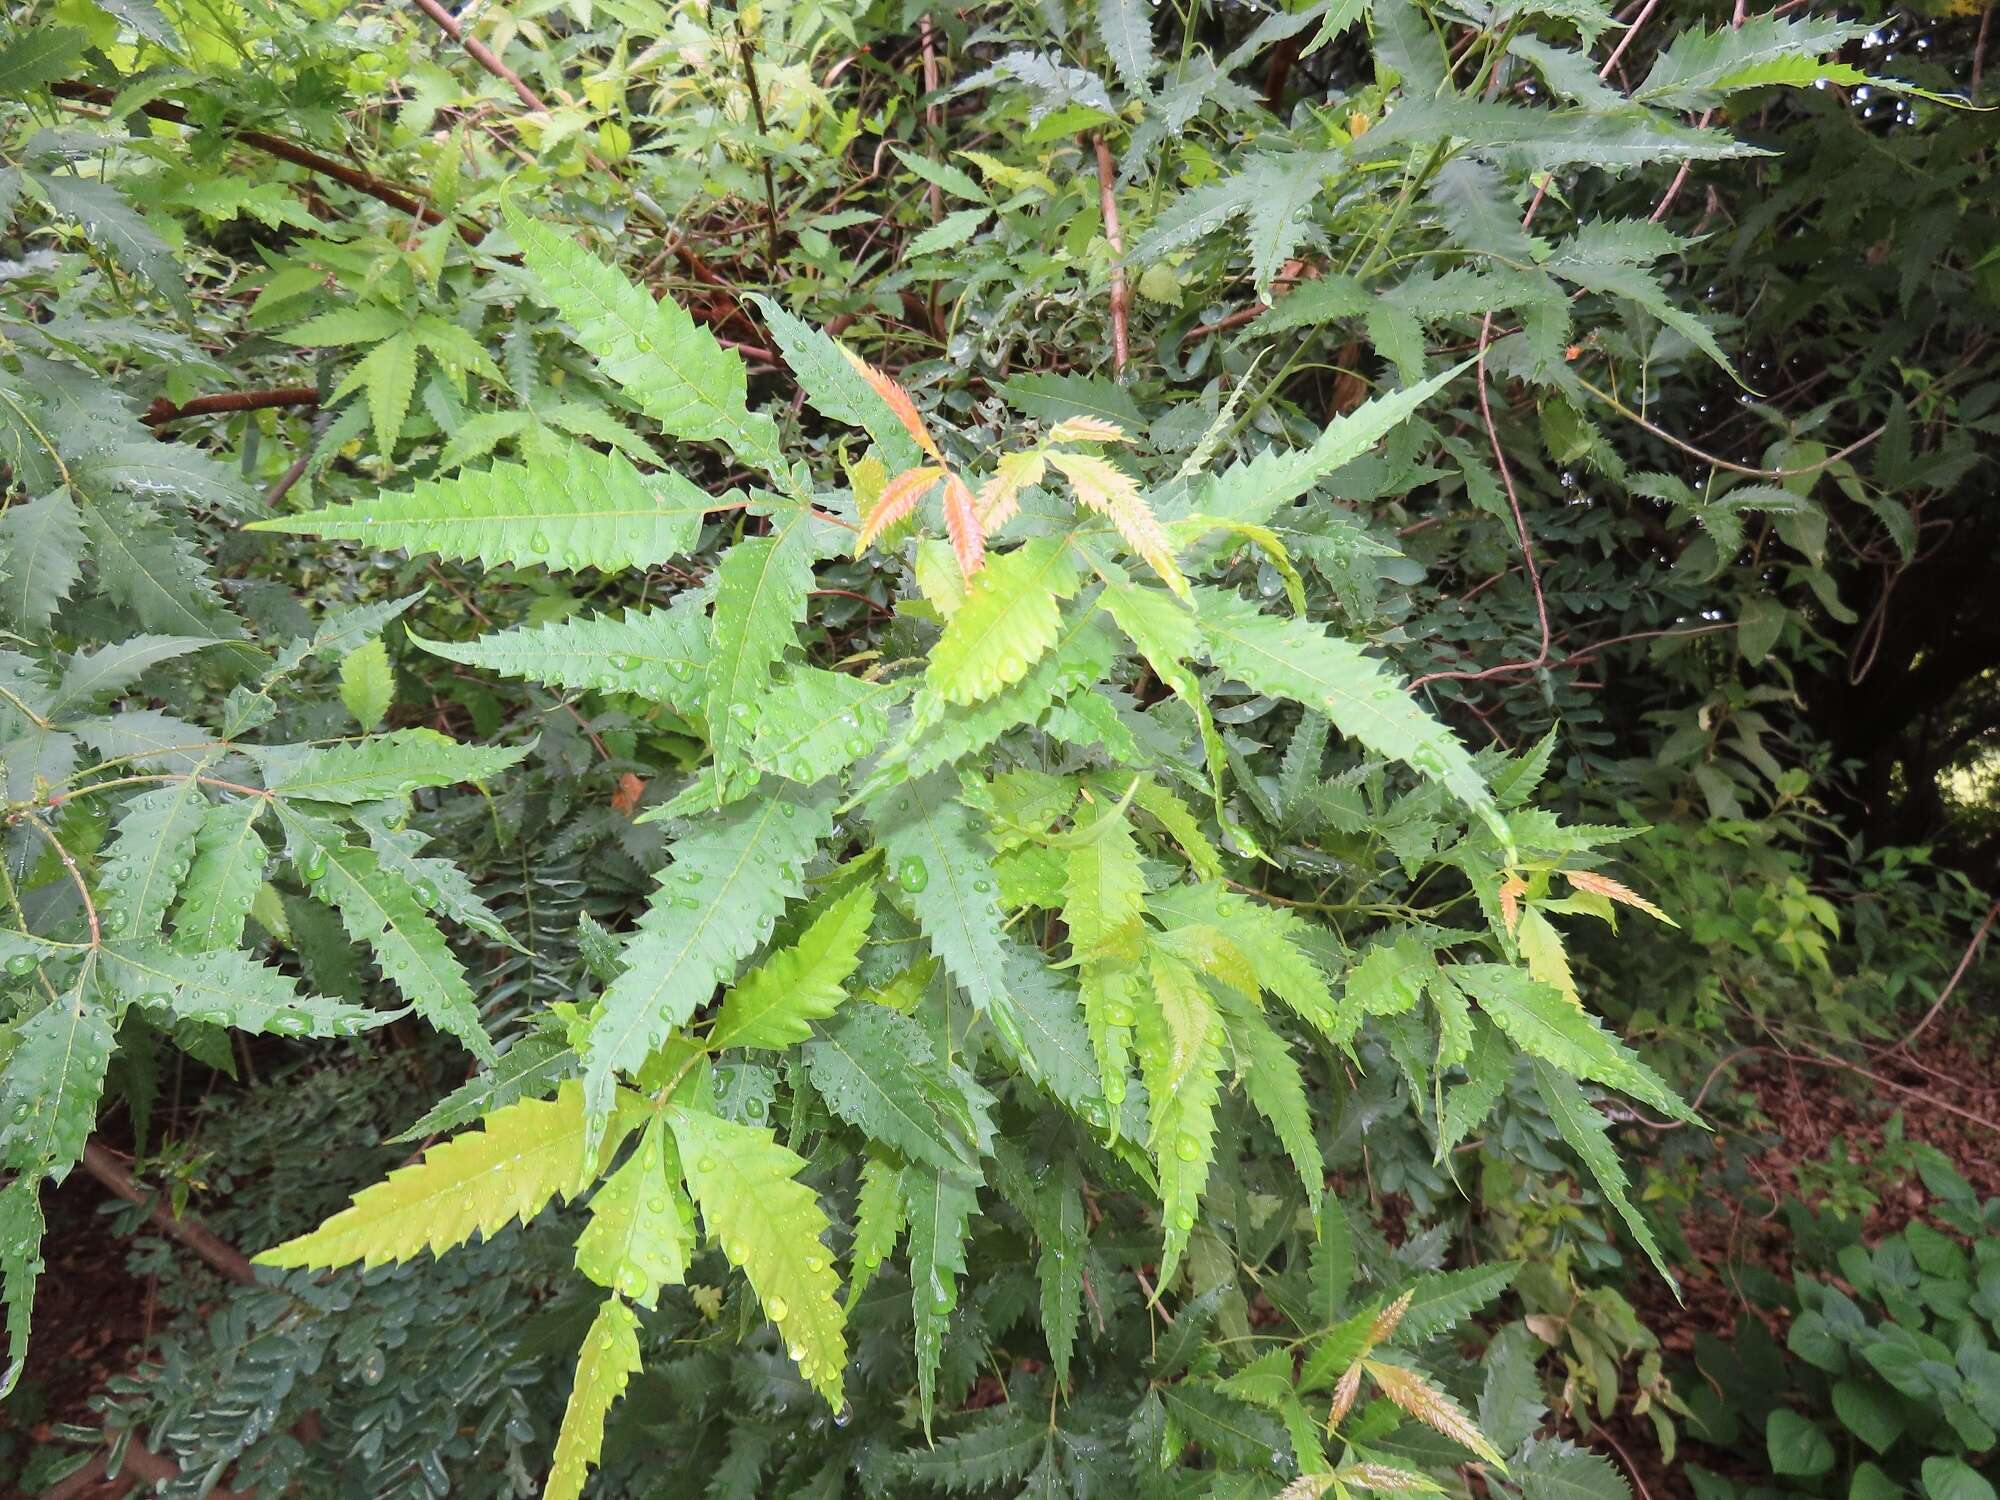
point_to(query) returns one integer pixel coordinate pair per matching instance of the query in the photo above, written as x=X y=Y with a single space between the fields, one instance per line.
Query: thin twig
x=1107 y=198
x=75 y=875
x=1964 y=963
x=763 y=152
x=480 y=53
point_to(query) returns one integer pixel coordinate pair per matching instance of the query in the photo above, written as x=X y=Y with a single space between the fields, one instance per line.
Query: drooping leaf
x=1180 y=1057
x=760 y=596
x=940 y=1207
x=877 y=1071
x=777 y=1001
x=609 y=1359
x=641 y=1230
x=730 y=877
x=50 y=1086
x=770 y=1225
x=223 y=878
x=521 y=1157
x=227 y=987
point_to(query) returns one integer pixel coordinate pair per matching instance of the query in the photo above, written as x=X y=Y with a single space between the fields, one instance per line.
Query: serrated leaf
x=1180 y=1057
x=380 y=766
x=1008 y=620
x=1126 y=29
x=21 y=1230
x=149 y=857
x=834 y=387
x=1104 y=893
x=533 y=1068
x=878 y=1223
x=118 y=228
x=731 y=875
x=1271 y=1080
x=571 y=508
x=439 y=886
x=37 y=55
x=660 y=655
x=1002 y=1448
x=940 y=1207
x=760 y=596
x=641 y=1230
x=520 y=1158
x=1698 y=68
x=947 y=874
x=770 y=1225
x=670 y=366
x=609 y=1359
x=816 y=723
x=1441 y=1300
x=1294 y=658
x=381 y=909
x=1432 y=1406
x=147 y=566
x=368 y=684
x=1540 y=1022
x=1583 y=1129
x=776 y=1002
x=1065 y=1236
x=42 y=540
x=50 y=1087
x=1271 y=939
x=229 y=988
x=875 y=1069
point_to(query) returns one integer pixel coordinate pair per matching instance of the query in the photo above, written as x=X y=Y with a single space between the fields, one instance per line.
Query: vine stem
x=1964 y=963
x=749 y=53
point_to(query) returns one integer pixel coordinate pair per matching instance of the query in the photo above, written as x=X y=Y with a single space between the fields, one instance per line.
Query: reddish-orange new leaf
x=898 y=401
x=961 y=521
x=898 y=498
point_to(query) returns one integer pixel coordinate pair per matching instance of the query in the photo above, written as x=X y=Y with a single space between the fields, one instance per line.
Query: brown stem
x=1964 y=963
x=226 y=1259
x=1107 y=198
x=163 y=411
x=480 y=53
x=763 y=154
x=935 y=195
x=284 y=150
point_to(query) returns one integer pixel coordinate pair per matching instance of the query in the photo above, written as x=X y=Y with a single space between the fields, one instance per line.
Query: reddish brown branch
x=227 y=1260
x=480 y=53
x=163 y=411
x=1107 y=199
x=276 y=145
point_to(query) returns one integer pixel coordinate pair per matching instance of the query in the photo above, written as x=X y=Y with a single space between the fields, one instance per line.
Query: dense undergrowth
x=1055 y=750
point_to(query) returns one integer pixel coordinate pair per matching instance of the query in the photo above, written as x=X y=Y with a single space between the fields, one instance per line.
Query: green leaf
x=641 y=1230
x=877 y=1071
x=1541 y=1022
x=940 y=1207
x=670 y=366
x=227 y=987
x=1442 y=1300
x=520 y=1158
x=368 y=684
x=1103 y=893
x=660 y=655
x=1273 y=940
x=1584 y=1130
x=834 y=387
x=1258 y=489
x=1294 y=658
x=731 y=875
x=50 y=1087
x=771 y=1225
x=609 y=1359
x=42 y=540
x=1271 y=1080
x=149 y=857
x=945 y=871
x=1126 y=29
x=38 y=55
x=1180 y=1057
x=1953 y=1479
x=381 y=766
x=878 y=1223
x=1698 y=68
x=1065 y=1236
x=21 y=1229
x=532 y=1068
x=816 y=723
x=148 y=567
x=388 y=375
x=1009 y=618
x=1796 y=1445
x=572 y=508
x=775 y=1002
x=1551 y=1469
x=117 y=228
x=760 y=596
x=1869 y=1412
x=999 y=1451
x=382 y=910
x=95 y=676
